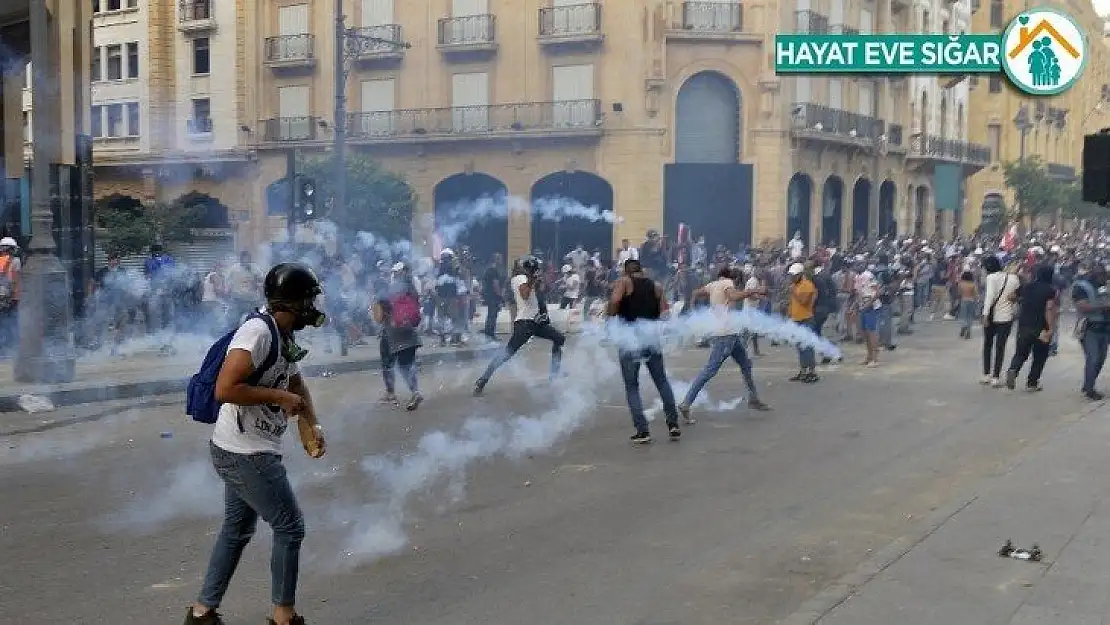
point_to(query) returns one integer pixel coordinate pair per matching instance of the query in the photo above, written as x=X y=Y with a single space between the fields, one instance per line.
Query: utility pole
x=348 y=45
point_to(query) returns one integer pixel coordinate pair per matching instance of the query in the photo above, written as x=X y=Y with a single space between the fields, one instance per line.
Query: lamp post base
x=46 y=354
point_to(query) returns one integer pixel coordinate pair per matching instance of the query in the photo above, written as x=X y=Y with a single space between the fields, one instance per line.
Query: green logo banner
x=888 y=54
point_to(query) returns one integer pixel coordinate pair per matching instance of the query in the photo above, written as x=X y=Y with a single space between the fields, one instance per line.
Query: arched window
x=707 y=120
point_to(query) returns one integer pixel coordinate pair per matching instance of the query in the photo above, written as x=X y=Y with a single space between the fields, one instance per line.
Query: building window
x=202 y=116
x=133 y=60
x=115 y=63
x=202 y=59
x=944 y=27
x=115 y=120
x=995 y=84
x=26 y=127
x=973 y=82
x=997 y=10
x=97 y=121
x=114 y=5
x=96 y=6
x=97 y=63
x=994 y=140
x=131 y=4
x=133 y=119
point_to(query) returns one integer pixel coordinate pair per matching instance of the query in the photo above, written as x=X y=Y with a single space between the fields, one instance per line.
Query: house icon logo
x=1044 y=51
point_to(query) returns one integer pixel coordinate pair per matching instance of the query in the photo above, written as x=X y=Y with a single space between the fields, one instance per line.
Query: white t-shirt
x=243 y=281
x=525 y=308
x=629 y=254
x=752 y=302
x=572 y=286
x=720 y=304
x=1000 y=286
x=796 y=247
x=208 y=294
x=263 y=426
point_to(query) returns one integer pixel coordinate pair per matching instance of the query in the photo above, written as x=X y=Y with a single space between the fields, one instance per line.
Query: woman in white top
x=999 y=297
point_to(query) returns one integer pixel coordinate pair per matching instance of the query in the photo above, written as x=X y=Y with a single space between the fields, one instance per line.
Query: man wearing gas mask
x=246 y=441
x=527 y=289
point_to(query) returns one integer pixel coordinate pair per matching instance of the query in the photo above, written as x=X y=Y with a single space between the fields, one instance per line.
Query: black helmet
x=531 y=264
x=291 y=282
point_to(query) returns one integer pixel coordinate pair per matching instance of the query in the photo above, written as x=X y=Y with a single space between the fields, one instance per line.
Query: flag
x=1009 y=240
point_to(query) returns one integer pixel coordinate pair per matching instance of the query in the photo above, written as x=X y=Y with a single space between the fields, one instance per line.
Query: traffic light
x=304 y=207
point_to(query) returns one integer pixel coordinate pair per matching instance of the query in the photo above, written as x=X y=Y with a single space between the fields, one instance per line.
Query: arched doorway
x=921 y=201
x=212 y=239
x=861 y=209
x=471 y=210
x=887 y=196
x=832 y=208
x=799 y=202
x=567 y=210
x=707 y=120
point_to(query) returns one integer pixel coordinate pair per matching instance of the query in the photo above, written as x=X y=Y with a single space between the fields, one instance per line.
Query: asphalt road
x=531 y=507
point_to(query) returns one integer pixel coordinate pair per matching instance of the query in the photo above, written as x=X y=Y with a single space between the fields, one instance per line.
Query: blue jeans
x=721 y=348
x=1095 y=345
x=807 y=359
x=630 y=371
x=255 y=486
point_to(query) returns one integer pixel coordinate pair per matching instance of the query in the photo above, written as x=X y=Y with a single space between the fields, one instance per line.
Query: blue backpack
x=200 y=397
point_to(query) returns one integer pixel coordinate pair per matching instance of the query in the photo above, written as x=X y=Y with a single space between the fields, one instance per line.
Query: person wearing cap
x=801 y=300
x=11 y=271
x=572 y=288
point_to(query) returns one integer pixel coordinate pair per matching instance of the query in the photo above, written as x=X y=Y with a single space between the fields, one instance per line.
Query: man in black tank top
x=638 y=299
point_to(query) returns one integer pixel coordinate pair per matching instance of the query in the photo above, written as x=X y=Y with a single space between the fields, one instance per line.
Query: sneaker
x=810 y=378
x=949 y=318
x=479 y=387
x=674 y=432
x=997 y=383
x=798 y=377
x=985 y=380
x=415 y=402
x=871 y=364
x=641 y=438
x=757 y=404
x=891 y=347
x=1033 y=388
x=1094 y=395
x=1011 y=379
x=212 y=617
x=684 y=410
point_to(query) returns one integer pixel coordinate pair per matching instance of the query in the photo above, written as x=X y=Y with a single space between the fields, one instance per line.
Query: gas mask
x=305 y=313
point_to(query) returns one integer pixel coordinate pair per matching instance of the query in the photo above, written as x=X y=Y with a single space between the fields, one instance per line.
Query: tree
x=378 y=200
x=1036 y=193
x=125 y=226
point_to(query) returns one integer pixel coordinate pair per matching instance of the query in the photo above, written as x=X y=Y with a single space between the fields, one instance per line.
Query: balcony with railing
x=710 y=21
x=199 y=128
x=811 y=22
x=932 y=149
x=377 y=43
x=573 y=118
x=843 y=29
x=291 y=51
x=196 y=16
x=817 y=122
x=1061 y=172
x=468 y=33
x=291 y=129
x=571 y=24
x=895 y=137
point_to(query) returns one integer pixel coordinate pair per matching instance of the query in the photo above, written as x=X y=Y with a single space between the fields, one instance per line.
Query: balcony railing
x=818 y=120
x=468 y=31
x=290 y=50
x=196 y=15
x=843 y=29
x=1060 y=171
x=537 y=118
x=811 y=22
x=377 y=42
x=571 y=21
x=713 y=17
x=201 y=126
x=291 y=129
x=934 y=147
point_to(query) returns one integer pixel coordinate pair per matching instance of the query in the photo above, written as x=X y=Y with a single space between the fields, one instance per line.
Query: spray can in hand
x=311 y=438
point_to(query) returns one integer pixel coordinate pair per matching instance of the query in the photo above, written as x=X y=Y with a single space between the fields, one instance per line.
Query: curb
x=93 y=392
x=832 y=596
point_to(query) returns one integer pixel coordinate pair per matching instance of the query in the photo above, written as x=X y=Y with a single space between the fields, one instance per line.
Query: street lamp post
x=348 y=43
x=46 y=353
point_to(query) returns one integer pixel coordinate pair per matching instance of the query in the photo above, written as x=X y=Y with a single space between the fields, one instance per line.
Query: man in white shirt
x=725 y=343
x=572 y=287
x=243 y=281
x=627 y=253
x=246 y=442
x=796 y=247
x=531 y=320
x=578 y=257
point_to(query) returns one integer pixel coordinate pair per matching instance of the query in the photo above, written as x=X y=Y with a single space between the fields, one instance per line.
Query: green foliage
x=1035 y=191
x=125 y=226
x=378 y=200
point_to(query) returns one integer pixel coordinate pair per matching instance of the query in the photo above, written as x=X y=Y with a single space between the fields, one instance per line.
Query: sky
x=1102 y=7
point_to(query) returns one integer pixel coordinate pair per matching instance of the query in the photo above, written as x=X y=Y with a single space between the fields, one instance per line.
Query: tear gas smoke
x=464 y=215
